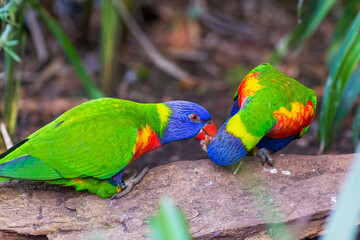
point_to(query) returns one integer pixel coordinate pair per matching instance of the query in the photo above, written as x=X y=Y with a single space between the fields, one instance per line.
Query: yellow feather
x=164 y=114
x=236 y=127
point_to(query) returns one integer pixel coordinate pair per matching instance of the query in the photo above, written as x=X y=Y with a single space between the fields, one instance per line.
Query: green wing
x=277 y=90
x=27 y=167
x=94 y=139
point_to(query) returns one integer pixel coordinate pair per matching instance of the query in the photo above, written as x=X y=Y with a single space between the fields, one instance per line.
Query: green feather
x=28 y=167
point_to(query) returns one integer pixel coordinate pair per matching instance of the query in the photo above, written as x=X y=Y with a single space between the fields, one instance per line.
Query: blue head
x=187 y=120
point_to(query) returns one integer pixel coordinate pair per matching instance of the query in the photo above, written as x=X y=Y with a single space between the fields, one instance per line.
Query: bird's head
x=187 y=120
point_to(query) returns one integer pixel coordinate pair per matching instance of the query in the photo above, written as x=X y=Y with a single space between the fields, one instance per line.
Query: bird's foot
x=127 y=186
x=264 y=156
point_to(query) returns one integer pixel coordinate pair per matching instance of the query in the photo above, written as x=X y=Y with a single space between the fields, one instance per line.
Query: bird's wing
x=266 y=103
x=280 y=105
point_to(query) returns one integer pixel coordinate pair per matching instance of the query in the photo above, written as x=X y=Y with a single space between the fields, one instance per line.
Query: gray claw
x=122 y=185
x=130 y=183
x=264 y=156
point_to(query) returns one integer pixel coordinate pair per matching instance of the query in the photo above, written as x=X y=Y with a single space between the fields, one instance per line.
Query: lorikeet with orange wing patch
x=90 y=145
x=270 y=110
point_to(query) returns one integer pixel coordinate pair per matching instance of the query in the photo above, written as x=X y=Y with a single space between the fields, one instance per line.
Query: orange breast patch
x=146 y=141
x=291 y=122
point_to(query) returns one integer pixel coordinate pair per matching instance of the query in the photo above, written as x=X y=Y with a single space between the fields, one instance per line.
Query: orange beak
x=209 y=130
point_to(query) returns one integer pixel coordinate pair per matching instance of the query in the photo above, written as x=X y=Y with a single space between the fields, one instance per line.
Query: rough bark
x=298 y=193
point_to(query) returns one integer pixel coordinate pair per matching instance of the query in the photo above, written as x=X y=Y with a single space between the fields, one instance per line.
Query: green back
x=278 y=91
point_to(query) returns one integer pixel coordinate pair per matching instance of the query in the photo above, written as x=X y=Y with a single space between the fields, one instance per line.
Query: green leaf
x=321 y=10
x=5 y=34
x=12 y=43
x=349 y=12
x=12 y=23
x=16 y=35
x=356 y=126
x=299 y=9
x=343 y=223
x=110 y=29
x=348 y=97
x=341 y=70
x=68 y=48
x=10 y=7
x=12 y=54
x=303 y=31
x=169 y=223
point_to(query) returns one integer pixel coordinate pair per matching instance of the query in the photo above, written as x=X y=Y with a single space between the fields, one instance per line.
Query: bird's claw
x=122 y=185
x=264 y=156
x=127 y=186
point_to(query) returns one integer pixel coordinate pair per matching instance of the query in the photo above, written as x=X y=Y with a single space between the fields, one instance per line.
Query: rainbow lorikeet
x=90 y=145
x=270 y=110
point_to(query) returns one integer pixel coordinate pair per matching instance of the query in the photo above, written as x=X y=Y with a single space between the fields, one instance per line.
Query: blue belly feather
x=275 y=144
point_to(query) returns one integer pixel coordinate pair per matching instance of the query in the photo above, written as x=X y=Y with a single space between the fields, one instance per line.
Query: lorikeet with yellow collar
x=270 y=110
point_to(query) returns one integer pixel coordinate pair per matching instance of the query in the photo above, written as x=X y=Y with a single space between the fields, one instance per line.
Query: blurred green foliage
x=342 y=86
x=344 y=220
x=110 y=31
x=312 y=15
x=12 y=41
x=68 y=48
x=169 y=223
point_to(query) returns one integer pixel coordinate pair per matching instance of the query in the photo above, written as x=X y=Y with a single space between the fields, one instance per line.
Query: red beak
x=208 y=130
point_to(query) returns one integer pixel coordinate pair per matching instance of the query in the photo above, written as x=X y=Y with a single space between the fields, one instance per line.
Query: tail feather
x=10 y=150
x=2 y=179
x=28 y=167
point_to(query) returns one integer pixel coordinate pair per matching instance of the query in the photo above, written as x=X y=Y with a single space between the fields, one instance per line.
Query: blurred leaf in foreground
x=169 y=223
x=343 y=223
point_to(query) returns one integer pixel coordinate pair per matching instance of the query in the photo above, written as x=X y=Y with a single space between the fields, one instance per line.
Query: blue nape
x=225 y=148
x=275 y=144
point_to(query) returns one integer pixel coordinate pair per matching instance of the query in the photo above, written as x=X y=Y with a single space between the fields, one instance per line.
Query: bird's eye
x=194 y=118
